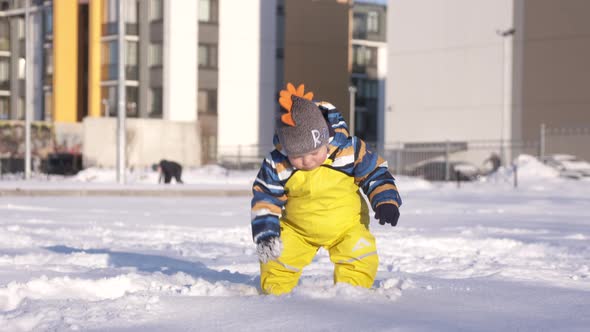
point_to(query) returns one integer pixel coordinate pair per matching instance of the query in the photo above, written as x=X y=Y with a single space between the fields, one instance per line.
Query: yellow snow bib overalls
x=324 y=209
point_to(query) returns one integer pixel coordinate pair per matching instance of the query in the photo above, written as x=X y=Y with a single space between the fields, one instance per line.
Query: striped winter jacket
x=350 y=155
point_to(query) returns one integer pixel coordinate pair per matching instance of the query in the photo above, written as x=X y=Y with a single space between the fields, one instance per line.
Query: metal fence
x=431 y=160
x=452 y=160
x=573 y=140
x=242 y=156
x=445 y=160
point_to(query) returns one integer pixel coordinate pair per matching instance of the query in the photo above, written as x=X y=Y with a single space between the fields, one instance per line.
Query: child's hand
x=269 y=248
x=387 y=213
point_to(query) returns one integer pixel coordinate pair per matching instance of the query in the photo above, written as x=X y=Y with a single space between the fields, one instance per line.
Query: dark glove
x=387 y=213
x=269 y=248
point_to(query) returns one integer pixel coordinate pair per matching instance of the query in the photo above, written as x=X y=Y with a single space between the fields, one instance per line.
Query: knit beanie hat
x=303 y=128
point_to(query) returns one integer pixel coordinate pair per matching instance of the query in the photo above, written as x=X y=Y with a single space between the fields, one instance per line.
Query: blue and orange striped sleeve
x=268 y=200
x=372 y=175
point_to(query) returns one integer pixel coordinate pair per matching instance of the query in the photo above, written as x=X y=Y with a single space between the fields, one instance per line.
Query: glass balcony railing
x=132 y=73
x=112 y=28
x=111 y=72
x=4 y=44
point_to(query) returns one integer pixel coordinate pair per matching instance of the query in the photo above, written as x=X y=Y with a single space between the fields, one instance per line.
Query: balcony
x=4 y=44
x=110 y=72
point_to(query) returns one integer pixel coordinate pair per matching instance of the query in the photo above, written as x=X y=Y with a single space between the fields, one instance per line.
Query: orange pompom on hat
x=303 y=128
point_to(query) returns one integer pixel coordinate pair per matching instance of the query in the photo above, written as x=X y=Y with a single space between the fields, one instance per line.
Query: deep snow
x=483 y=257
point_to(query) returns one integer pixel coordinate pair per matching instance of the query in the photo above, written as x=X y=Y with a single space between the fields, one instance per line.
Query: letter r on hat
x=316 y=137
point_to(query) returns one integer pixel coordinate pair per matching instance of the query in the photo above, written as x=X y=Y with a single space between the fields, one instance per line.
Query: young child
x=306 y=196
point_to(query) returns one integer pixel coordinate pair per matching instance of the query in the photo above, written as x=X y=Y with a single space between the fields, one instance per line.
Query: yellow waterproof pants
x=354 y=255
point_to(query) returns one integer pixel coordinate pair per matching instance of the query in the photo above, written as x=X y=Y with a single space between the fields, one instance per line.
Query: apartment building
x=75 y=62
x=208 y=80
x=160 y=66
x=299 y=41
x=216 y=64
x=13 y=59
x=369 y=68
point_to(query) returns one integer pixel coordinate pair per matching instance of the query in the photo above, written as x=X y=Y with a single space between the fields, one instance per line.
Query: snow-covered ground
x=482 y=257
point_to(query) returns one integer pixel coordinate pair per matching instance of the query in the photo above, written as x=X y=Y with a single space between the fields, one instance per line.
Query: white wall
x=246 y=95
x=445 y=70
x=180 y=60
x=148 y=141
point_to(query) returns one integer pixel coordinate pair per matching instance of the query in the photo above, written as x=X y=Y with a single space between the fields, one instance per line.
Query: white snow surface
x=482 y=257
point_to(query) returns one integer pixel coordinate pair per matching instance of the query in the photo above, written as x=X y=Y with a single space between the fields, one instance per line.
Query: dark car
x=436 y=171
x=63 y=163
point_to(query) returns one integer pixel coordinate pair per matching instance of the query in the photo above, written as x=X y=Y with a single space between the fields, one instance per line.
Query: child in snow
x=307 y=196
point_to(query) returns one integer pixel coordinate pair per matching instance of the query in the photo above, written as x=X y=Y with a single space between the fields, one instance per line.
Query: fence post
x=447 y=164
x=398 y=160
x=515 y=171
x=239 y=156
x=542 y=141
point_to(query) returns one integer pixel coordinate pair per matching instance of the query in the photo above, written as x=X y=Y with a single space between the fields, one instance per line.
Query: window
x=131 y=65
x=48 y=104
x=4 y=108
x=131 y=53
x=155 y=103
x=4 y=35
x=366 y=89
x=131 y=96
x=109 y=100
x=49 y=20
x=371 y=56
x=20 y=28
x=364 y=57
x=4 y=73
x=131 y=13
x=109 y=58
x=22 y=63
x=18 y=4
x=208 y=56
x=208 y=11
x=20 y=108
x=110 y=11
x=204 y=10
x=359 y=56
x=207 y=101
x=109 y=17
x=373 y=21
x=359 y=25
x=155 y=56
x=203 y=55
x=49 y=62
x=156 y=10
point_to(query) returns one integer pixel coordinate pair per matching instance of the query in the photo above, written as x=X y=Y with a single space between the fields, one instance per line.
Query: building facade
x=277 y=41
x=208 y=80
x=486 y=71
x=76 y=58
x=161 y=40
x=13 y=58
x=369 y=68
x=217 y=64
